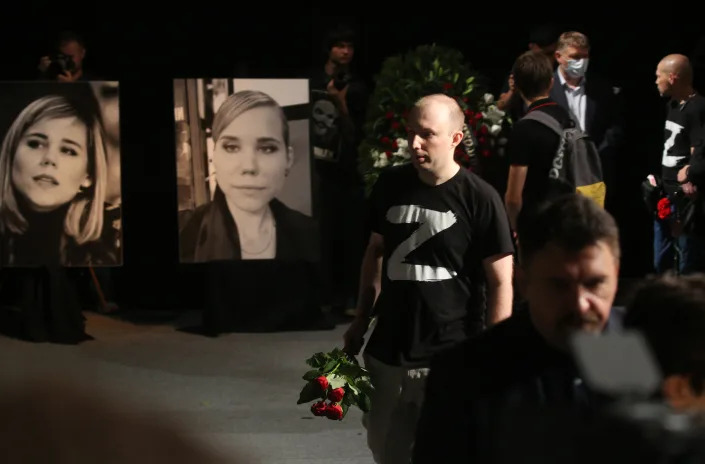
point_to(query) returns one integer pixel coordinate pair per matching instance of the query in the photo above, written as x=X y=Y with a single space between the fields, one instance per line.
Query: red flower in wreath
x=663 y=208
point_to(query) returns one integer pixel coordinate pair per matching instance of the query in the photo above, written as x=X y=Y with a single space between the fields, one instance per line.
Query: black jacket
x=210 y=234
x=475 y=389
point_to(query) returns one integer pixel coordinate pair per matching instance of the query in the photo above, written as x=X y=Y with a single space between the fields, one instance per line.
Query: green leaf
x=317 y=360
x=312 y=374
x=467 y=91
x=337 y=381
x=350 y=370
x=330 y=365
x=455 y=78
x=352 y=389
x=363 y=402
x=345 y=408
x=310 y=392
x=436 y=63
x=365 y=387
x=469 y=80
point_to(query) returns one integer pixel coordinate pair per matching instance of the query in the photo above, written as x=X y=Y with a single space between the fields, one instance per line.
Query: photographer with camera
x=66 y=63
x=339 y=101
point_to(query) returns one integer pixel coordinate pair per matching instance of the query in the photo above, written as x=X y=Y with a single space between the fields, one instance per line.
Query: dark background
x=145 y=51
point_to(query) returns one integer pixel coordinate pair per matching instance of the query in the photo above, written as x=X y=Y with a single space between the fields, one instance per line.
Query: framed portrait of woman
x=243 y=170
x=60 y=196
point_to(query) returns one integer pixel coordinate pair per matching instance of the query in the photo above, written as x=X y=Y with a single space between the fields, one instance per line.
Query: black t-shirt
x=435 y=238
x=534 y=145
x=685 y=124
x=334 y=138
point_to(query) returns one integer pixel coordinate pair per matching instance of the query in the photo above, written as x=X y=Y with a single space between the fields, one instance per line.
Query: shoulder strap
x=547 y=120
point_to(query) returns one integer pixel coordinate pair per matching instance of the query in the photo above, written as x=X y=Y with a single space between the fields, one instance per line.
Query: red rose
x=395 y=125
x=389 y=154
x=484 y=130
x=447 y=86
x=334 y=412
x=664 y=208
x=465 y=99
x=322 y=382
x=481 y=140
x=336 y=395
x=319 y=409
x=469 y=114
x=395 y=145
x=389 y=115
x=478 y=116
x=385 y=140
x=486 y=153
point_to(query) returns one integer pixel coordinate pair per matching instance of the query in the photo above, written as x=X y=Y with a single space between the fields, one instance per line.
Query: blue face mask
x=576 y=68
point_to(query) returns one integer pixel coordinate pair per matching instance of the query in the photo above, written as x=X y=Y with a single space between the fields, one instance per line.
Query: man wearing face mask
x=595 y=105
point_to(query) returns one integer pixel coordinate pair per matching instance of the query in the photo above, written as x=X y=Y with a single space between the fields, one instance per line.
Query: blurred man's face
x=75 y=51
x=569 y=291
x=342 y=53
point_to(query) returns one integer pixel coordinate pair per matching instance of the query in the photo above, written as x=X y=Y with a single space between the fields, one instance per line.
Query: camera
x=60 y=64
x=341 y=80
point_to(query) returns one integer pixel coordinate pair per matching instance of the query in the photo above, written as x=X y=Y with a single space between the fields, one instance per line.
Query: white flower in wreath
x=380 y=159
x=489 y=98
x=402 y=148
x=495 y=130
x=494 y=114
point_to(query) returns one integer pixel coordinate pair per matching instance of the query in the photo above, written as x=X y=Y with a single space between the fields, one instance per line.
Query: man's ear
x=457 y=138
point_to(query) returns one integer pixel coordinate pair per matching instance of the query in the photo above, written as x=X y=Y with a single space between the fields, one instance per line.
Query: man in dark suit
x=569 y=254
x=595 y=104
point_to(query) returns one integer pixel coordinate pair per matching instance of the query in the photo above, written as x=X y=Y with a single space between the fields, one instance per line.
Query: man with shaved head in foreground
x=440 y=242
x=684 y=131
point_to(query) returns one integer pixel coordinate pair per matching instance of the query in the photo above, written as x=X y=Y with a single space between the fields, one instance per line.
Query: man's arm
x=499 y=270
x=513 y=195
x=370 y=286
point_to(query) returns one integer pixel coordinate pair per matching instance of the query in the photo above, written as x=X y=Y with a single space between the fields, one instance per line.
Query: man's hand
x=67 y=76
x=339 y=96
x=503 y=100
x=689 y=189
x=683 y=174
x=353 y=339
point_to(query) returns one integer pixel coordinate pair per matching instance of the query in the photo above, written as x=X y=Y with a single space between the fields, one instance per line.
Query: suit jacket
x=476 y=389
x=210 y=234
x=603 y=112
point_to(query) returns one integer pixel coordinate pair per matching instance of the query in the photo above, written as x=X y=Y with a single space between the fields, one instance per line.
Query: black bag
x=577 y=162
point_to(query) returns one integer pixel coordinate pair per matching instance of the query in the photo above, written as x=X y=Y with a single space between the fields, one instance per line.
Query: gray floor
x=234 y=392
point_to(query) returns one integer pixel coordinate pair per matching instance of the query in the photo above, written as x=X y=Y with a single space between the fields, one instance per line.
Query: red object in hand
x=319 y=409
x=334 y=412
x=322 y=382
x=336 y=395
x=663 y=208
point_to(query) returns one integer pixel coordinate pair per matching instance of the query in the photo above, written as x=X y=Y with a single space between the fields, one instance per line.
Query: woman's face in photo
x=251 y=159
x=51 y=162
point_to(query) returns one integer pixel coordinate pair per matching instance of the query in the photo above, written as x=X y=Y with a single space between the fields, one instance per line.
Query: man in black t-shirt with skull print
x=437 y=270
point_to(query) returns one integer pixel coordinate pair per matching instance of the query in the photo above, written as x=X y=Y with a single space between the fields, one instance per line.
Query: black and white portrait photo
x=243 y=170
x=60 y=197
